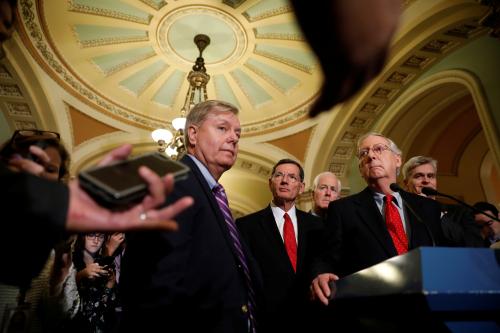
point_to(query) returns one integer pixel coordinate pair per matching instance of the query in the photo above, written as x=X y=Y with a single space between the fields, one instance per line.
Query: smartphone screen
x=120 y=183
x=123 y=176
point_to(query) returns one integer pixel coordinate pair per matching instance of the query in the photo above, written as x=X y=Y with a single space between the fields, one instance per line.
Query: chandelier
x=173 y=144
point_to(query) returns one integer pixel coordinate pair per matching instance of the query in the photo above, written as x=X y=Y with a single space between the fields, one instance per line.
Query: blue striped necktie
x=220 y=196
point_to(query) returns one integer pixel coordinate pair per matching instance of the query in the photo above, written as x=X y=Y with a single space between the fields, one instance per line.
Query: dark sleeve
x=33 y=218
x=433 y=221
x=329 y=244
x=459 y=227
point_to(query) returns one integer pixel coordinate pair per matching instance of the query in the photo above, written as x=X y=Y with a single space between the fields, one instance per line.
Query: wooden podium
x=428 y=289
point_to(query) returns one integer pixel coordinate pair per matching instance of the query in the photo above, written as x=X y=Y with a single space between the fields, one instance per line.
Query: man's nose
x=233 y=137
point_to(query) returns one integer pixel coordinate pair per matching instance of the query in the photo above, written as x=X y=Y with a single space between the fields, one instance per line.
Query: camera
x=119 y=185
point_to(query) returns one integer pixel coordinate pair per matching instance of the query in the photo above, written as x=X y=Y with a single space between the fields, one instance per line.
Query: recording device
x=396 y=188
x=431 y=191
x=119 y=185
x=107 y=262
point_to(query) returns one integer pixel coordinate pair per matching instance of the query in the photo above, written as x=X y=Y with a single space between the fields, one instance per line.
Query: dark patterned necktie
x=395 y=225
x=290 y=241
x=220 y=196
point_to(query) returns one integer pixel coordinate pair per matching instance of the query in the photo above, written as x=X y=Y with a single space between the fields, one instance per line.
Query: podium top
x=438 y=273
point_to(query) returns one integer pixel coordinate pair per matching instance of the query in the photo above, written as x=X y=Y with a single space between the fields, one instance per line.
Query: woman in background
x=96 y=285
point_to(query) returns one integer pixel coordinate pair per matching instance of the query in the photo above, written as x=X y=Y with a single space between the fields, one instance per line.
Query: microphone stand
x=431 y=191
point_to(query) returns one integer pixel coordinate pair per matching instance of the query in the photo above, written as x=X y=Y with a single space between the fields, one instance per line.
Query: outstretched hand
x=84 y=214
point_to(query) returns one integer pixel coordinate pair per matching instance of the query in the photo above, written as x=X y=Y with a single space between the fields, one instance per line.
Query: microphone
x=431 y=191
x=396 y=188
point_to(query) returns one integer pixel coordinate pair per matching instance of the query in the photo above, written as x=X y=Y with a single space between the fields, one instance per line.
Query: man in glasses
x=374 y=225
x=279 y=237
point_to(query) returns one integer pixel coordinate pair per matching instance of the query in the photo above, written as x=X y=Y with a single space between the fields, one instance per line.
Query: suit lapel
x=213 y=204
x=268 y=224
x=369 y=213
x=302 y=227
x=412 y=221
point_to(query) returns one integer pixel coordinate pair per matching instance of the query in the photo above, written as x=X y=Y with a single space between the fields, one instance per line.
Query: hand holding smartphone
x=119 y=185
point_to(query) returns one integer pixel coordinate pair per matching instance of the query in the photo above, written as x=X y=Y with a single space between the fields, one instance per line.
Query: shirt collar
x=204 y=171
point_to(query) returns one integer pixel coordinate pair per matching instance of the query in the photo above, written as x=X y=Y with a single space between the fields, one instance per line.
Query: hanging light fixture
x=173 y=144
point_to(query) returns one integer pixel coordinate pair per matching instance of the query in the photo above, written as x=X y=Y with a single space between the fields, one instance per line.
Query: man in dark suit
x=371 y=226
x=457 y=222
x=199 y=279
x=281 y=238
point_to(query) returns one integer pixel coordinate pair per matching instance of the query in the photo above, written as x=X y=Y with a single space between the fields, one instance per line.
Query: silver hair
x=316 y=180
x=200 y=111
x=417 y=161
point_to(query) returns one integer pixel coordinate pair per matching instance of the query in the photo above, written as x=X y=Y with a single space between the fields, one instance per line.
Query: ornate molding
x=59 y=71
x=74 y=7
x=393 y=83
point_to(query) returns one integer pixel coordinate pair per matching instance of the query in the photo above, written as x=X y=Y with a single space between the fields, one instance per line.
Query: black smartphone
x=119 y=185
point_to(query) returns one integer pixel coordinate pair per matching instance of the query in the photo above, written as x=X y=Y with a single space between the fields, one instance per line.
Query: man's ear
x=192 y=134
x=302 y=187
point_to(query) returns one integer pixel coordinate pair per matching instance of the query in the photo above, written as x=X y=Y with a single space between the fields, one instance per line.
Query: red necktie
x=395 y=226
x=290 y=242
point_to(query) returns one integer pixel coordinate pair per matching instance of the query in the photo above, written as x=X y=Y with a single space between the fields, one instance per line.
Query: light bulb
x=162 y=134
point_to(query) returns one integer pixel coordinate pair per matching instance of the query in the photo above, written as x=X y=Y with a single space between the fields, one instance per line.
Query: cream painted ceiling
x=104 y=72
x=132 y=57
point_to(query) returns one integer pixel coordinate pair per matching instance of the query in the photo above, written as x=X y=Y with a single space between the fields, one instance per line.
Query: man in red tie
x=281 y=239
x=374 y=225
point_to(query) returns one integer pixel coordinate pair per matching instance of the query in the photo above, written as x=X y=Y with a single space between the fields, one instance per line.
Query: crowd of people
x=263 y=272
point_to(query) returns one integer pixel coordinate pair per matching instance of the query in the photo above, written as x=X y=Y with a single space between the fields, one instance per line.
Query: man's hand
x=320 y=288
x=84 y=214
x=351 y=39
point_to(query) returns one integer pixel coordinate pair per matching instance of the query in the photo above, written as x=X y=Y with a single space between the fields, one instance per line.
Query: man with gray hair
x=201 y=278
x=326 y=188
x=457 y=222
x=374 y=225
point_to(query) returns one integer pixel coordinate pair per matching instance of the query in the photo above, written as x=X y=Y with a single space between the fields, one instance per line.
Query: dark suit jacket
x=459 y=227
x=34 y=214
x=357 y=236
x=285 y=292
x=189 y=280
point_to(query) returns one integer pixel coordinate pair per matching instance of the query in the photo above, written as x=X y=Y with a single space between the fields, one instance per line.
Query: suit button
x=239 y=266
x=244 y=309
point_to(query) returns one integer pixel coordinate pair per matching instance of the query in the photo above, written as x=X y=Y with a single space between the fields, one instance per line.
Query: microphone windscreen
x=429 y=191
x=395 y=187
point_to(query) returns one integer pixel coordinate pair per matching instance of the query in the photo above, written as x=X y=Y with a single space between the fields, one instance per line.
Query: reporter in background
x=50 y=209
x=490 y=229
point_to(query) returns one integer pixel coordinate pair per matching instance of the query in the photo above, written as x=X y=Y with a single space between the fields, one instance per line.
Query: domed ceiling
x=130 y=59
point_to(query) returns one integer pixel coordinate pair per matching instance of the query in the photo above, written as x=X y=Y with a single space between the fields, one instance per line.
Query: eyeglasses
x=95 y=236
x=377 y=149
x=291 y=177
